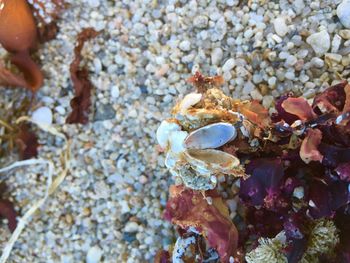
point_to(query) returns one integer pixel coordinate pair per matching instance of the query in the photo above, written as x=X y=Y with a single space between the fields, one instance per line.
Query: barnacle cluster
x=323 y=239
x=269 y=250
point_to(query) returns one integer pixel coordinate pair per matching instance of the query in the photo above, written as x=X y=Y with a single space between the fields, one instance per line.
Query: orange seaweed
x=18 y=35
x=17 y=26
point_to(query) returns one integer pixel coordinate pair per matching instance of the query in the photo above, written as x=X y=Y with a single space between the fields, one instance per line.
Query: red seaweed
x=80 y=78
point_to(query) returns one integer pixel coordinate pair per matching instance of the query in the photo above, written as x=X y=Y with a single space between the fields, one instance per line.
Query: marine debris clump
x=253 y=186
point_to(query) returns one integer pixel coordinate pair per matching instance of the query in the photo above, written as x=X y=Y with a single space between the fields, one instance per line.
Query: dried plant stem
x=52 y=185
x=6 y=125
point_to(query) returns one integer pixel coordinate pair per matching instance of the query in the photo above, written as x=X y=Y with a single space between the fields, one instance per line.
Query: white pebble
x=60 y=110
x=131 y=227
x=343 y=13
x=248 y=33
x=115 y=91
x=291 y=60
x=298 y=6
x=94 y=255
x=97 y=65
x=256 y=95
x=94 y=3
x=336 y=43
x=320 y=42
x=185 y=45
x=200 y=21
x=229 y=64
x=42 y=115
x=272 y=81
x=216 y=56
x=290 y=75
x=248 y=88
x=277 y=38
x=280 y=26
x=317 y=62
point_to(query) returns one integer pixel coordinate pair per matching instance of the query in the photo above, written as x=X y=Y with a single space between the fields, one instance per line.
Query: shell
x=164 y=130
x=189 y=100
x=214 y=161
x=176 y=141
x=211 y=136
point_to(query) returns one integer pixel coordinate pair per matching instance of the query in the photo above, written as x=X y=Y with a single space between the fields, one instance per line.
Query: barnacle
x=323 y=239
x=269 y=250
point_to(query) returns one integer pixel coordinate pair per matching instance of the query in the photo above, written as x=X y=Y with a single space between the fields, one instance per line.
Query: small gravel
x=109 y=208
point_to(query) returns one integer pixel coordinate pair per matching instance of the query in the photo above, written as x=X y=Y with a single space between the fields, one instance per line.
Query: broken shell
x=164 y=130
x=176 y=141
x=211 y=136
x=211 y=160
x=190 y=100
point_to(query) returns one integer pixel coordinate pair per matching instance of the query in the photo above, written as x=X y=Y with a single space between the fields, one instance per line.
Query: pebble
x=343 y=13
x=291 y=60
x=345 y=33
x=200 y=21
x=320 y=42
x=131 y=227
x=336 y=43
x=94 y=3
x=298 y=6
x=272 y=81
x=104 y=112
x=97 y=65
x=248 y=88
x=280 y=26
x=290 y=75
x=229 y=64
x=115 y=91
x=129 y=237
x=216 y=56
x=60 y=110
x=94 y=255
x=248 y=33
x=317 y=62
x=42 y=115
x=185 y=45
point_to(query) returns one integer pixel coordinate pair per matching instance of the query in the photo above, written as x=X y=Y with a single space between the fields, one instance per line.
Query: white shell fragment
x=164 y=130
x=190 y=100
x=211 y=160
x=94 y=255
x=42 y=115
x=211 y=136
x=176 y=141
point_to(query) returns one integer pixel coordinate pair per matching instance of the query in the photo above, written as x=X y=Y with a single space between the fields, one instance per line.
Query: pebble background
x=109 y=208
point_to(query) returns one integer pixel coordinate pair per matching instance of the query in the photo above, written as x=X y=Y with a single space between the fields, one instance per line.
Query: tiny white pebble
x=42 y=115
x=280 y=26
x=229 y=64
x=94 y=255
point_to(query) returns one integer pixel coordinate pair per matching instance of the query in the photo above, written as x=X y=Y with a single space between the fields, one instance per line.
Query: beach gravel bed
x=109 y=208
